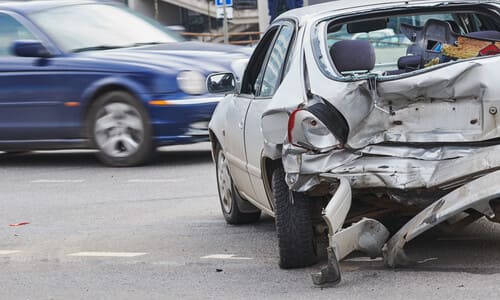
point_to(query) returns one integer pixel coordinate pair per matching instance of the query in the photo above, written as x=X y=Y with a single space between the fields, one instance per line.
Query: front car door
x=234 y=145
x=27 y=107
x=39 y=97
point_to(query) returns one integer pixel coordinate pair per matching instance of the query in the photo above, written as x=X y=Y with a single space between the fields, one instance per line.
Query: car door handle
x=240 y=124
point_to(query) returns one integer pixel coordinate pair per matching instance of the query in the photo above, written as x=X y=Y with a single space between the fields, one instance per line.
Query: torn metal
x=435 y=132
x=367 y=235
x=371 y=237
x=476 y=195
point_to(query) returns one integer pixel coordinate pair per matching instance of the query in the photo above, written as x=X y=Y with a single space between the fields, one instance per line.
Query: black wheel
x=293 y=224
x=119 y=128
x=235 y=210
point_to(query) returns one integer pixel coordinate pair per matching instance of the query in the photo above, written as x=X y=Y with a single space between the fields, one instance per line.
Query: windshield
x=98 y=26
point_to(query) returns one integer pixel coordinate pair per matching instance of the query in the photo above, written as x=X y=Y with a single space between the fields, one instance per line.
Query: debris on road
x=19 y=224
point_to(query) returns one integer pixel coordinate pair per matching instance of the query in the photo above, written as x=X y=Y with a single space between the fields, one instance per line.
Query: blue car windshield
x=89 y=27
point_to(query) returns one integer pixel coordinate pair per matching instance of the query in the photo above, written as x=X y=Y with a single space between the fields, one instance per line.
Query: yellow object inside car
x=466 y=48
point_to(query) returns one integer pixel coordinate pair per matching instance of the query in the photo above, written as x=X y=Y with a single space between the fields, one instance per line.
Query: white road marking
x=364 y=259
x=9 y=252
x=423 y=261
x=107 y=254
x=224 y=256
x=58 y=181
x=155 y=180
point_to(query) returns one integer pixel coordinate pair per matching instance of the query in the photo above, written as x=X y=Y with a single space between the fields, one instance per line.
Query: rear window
x=395 y=37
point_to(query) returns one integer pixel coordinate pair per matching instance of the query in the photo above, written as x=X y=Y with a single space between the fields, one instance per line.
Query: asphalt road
x=156 y=232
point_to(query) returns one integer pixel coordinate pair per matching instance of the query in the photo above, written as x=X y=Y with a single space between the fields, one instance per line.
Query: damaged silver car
x=353 y=113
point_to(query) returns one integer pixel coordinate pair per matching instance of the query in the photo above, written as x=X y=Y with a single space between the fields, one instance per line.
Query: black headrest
x=409 y=62
x=353 y=55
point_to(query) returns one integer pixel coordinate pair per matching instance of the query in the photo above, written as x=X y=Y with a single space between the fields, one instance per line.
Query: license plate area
x=440 y=121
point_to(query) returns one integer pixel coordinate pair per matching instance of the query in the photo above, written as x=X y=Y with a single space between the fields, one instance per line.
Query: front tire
x=293 y=225
x=235 y=210
x=120 y=129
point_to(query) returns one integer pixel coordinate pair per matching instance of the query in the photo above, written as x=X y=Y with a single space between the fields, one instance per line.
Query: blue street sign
x=220 y=3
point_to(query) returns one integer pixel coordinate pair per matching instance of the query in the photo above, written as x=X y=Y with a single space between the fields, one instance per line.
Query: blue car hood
x=175 y=57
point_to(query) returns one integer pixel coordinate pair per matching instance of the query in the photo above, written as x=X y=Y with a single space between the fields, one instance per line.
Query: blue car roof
x=27 y=7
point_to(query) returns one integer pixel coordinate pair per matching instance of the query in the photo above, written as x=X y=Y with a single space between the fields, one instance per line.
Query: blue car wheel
x=120 y=129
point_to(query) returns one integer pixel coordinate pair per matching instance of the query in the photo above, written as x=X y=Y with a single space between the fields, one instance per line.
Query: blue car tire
x=120 y=129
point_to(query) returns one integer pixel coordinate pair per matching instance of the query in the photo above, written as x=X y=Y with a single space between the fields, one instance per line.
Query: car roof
x=324 y=9
x=26 y=7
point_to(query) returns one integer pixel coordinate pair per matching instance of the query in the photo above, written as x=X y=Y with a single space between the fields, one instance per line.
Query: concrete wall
x=263 y=15
x=168 y=14
x=167 y=11
x=144 y=7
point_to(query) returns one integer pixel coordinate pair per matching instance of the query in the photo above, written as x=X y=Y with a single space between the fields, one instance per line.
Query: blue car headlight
x=192 y=82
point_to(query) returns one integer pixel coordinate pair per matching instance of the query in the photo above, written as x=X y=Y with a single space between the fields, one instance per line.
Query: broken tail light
x=317 y=128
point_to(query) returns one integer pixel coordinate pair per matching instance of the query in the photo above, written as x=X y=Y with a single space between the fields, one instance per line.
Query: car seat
x=406 y=64
x=353 y=56
x=429 y=41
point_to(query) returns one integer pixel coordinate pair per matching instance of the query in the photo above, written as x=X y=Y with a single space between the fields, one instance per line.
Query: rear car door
x=271 y=75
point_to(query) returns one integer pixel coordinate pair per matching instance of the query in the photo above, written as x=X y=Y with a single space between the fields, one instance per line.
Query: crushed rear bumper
x=371 y=237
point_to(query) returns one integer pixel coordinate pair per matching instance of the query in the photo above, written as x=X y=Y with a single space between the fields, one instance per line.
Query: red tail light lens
x=291 y=124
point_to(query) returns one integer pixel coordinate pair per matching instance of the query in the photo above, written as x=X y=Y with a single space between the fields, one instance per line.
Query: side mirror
x=29 y=48
x=221 y=83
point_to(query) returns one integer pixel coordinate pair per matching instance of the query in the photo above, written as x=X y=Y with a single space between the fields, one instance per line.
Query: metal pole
x=263 y=15
x=224 y=25
x=209 y=17
x=157 y=10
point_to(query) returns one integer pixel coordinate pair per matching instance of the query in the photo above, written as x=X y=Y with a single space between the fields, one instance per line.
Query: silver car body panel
x=476 y=195
x=436 y=129
x=384 y=168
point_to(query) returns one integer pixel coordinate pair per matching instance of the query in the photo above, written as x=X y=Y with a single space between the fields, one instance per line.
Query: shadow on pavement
x=473 y=250
x=86 y=158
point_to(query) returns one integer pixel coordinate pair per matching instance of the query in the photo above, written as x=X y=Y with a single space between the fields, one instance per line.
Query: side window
x=271 y=73
x=11 y=30
x=249 y=84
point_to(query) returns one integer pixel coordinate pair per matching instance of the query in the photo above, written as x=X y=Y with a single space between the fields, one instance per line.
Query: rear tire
x=235 y=210
x=119 y=127
x=293 y=225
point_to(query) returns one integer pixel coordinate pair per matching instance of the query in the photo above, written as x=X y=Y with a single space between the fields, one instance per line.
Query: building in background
x=199 y=16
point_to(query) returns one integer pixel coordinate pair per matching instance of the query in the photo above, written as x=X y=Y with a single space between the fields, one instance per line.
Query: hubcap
x=118 y=129
x=225 y=183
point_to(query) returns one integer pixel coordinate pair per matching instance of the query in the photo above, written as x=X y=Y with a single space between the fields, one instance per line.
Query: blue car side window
x=11 y=30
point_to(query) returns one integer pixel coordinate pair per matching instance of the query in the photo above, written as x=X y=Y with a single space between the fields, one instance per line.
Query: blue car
x=93 y=74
